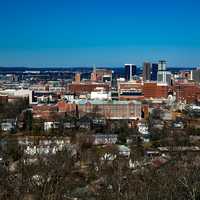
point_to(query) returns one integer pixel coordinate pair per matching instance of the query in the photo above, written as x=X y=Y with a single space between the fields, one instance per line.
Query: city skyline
x=57 y=33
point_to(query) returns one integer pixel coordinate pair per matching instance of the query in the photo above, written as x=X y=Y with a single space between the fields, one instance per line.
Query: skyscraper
x=163 y=76
x=130 y=71
x=154 y=71
x=146 y=71
x=162 y=65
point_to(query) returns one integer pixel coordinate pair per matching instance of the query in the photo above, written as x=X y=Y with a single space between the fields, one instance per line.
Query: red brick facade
x=153 y=90
x=85 y=88
x=189 y=92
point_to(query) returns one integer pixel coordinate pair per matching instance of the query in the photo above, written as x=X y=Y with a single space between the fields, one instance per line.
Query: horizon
x=87 y=67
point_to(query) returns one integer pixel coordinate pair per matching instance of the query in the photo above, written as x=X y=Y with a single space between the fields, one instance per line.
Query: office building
x=146 y=71
x=155 y=90
x=130 y=71
x=154 y=71
x=164 y=77
x=162 y=65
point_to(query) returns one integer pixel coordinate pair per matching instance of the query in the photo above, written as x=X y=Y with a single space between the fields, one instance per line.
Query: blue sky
x=104 y=32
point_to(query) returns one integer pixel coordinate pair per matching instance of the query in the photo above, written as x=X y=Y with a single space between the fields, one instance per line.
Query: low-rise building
x=101 y=139
x=51 y=125
x=187 y=92
x=8 y=125
x=111 y=109
x=86 y=87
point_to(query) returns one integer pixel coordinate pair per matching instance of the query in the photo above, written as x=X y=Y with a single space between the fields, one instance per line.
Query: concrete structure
x=162 y=65
x=154 y=71
x=164 y=77
x=130 y=71
x=101 y=94
x=146 y=71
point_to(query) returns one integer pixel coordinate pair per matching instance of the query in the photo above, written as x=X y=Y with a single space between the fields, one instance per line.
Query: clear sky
x=104 y=32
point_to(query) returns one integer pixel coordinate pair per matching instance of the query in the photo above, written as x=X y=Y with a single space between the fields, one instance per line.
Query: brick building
x=154 y=90
x=85 y=88
x=44 y=111
x=138 y=90
x=130 y=90
x=188 y=92
x=107 y=109
x=66 y=107
x=111 y=109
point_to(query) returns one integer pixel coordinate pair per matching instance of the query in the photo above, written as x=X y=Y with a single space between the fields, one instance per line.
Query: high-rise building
x=146 y=71
x=162 y=65
x=154 y=71
x=164 y=77
x=130 y=71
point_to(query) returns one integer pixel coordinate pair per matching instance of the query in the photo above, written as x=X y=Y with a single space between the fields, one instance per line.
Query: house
x=85 y=122
x=68 y=125
x=98 y=122
x=8 y=125
x=178 y=125
x=51 y=125
x=101 y=139
x=124 y=150
x=143 y=128
x=158 y=124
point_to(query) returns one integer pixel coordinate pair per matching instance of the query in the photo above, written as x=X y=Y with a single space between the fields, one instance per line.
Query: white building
x=50 y=125
x=164 y=77
x=18 y=93
x=100 y=94
x=8 y=125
